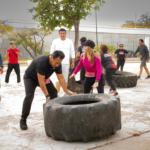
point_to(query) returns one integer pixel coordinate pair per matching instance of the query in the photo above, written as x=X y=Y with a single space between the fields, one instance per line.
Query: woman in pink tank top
x=90 y=59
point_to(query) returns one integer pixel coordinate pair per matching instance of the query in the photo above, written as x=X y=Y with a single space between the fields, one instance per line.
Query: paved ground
x=135 y=133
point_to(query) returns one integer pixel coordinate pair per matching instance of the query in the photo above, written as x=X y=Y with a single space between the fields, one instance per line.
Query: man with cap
x=80 y=52
x=12 y=55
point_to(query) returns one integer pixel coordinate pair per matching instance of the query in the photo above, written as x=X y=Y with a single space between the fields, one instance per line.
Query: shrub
x=137 y=55
x=46 y=53
x=111 y=48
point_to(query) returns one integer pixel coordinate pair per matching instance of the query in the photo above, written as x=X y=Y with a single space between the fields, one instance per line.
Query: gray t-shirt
x=143 y=51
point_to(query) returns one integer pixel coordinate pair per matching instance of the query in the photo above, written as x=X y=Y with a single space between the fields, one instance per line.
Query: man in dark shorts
x=144 y=55
x=121 y=56
x=80 y=52
x=37 y=74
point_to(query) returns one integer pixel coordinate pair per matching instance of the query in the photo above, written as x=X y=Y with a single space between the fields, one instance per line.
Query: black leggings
x=9 y=70
x=30 y=86
x=90 y=81
x=120 y=62
x=82 y=75
x=109 y=77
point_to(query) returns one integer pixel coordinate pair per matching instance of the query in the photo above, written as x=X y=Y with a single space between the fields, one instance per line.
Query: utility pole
x=96 y=24
x=135 y=19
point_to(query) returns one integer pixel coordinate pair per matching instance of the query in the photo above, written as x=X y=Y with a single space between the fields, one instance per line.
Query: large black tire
x=82 y=117
x=125 y=79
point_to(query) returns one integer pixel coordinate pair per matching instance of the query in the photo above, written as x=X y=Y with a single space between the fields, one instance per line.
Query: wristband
x=47 y=96
x=96 y=81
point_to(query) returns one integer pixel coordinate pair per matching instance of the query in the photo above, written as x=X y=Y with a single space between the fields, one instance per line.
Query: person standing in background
x=121 y=56
x=1 y=70
x=12 y=55
x=144 y=55
x=66 y=46
x=79 y=53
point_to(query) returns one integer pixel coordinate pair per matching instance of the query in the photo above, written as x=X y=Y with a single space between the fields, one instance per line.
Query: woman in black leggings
x=110 y=68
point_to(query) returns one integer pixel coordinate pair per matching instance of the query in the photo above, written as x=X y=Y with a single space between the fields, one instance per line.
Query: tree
x=31 y=39
x=5 y=29
x=144 y=21
x=67 y=13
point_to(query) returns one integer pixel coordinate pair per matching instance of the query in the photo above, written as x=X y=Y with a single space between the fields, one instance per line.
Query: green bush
x=111 y=48
x=46 y=53
x=137 y=55
x=3 y=57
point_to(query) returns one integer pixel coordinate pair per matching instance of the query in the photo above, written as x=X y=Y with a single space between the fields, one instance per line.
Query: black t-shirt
x=107 y=61
x=41 y=65
x=121 y=53
x=80 y=49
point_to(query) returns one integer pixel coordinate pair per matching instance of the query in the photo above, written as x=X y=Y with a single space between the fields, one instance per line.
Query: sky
x=114 y=12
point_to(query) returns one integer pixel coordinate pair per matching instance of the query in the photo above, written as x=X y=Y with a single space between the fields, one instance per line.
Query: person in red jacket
x=12 y=55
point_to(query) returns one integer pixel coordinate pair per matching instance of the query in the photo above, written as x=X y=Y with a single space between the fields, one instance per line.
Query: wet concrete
x=135 y=108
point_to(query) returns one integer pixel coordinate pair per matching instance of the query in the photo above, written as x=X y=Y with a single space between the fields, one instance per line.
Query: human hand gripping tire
x=73 y=75
x=95 y=85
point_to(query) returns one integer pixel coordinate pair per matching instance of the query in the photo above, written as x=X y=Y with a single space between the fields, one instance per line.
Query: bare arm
x=78 y=56
x=7 y=55
x=42 y=85
x=115 y=56
x=19 y=54
x=127 y=55
x=63 y=84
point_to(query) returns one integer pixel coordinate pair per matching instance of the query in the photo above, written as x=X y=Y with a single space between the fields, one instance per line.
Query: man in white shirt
x=64 y=44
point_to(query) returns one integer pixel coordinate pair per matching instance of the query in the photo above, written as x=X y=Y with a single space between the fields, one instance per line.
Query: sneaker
x=6 y=84
x=110 y=91
x=19 y=84
x=58 y=95
x=138 y=77
x=148 y=77
x=23 y=124
x=64 y=94
x=117 y=95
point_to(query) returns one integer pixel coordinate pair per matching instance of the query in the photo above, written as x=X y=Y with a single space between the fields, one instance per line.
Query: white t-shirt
x=66 y=46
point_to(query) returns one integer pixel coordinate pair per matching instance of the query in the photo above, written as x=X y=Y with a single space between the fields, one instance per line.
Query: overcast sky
x=114 y=12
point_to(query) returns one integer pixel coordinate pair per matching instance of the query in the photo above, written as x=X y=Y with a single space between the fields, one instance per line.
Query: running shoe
x=138 y=77
x=110 y=91
x=23 y=124
x=148 y=77
x=117 y=95
x=6 y=84
x=19 y=84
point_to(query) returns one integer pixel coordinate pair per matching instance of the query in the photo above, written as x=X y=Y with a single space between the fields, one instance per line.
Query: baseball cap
x=12 y=42
x=89 y=43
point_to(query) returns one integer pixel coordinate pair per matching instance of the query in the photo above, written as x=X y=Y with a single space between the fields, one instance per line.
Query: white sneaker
x=64 y=94
x=6 y=84
x=19 y=84
x=58 y=95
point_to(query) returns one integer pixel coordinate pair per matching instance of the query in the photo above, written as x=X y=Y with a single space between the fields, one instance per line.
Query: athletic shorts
x=143 y=62
x=65 y=71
